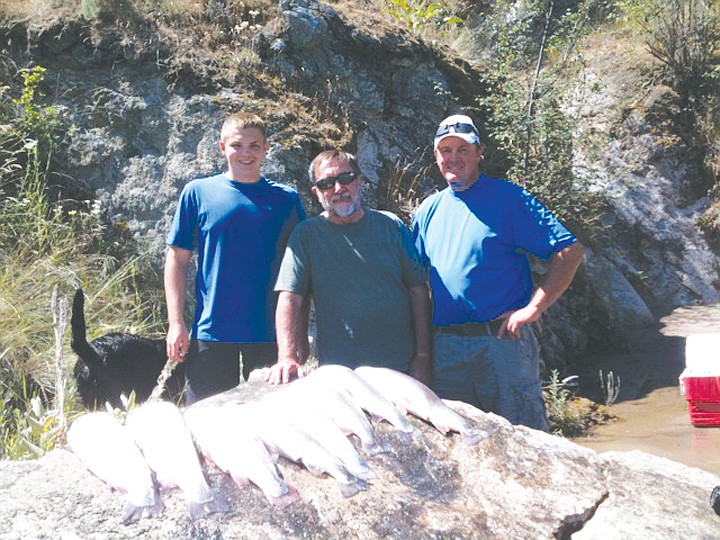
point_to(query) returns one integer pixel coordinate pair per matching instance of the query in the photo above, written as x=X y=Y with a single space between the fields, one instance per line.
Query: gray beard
x=341 y=207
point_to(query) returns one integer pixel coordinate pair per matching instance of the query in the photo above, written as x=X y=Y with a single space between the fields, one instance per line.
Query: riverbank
x=650 y=412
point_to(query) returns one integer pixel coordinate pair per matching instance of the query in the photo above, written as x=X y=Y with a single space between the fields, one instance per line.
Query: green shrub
x=421 y=14
x=524 y=112
x=48 y=245
x=563 y=417
x=685 y=36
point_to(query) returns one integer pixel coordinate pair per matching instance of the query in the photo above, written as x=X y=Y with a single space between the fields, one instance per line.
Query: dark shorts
x=496 y=375
x=212 y=367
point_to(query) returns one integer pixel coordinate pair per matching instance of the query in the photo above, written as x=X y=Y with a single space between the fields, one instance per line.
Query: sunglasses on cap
x=329 y=181
x=455 y=128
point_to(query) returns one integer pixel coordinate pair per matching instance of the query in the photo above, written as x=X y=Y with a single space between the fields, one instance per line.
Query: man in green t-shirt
x=362 y=271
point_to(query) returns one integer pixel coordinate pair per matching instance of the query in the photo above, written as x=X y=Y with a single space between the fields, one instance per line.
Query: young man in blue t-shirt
x=239 y=222
x=473 y=235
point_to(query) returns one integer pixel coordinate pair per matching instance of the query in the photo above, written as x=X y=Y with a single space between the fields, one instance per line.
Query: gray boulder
x=518 y=483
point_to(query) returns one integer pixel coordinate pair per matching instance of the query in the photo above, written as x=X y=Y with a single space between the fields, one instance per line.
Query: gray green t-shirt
x=358 y=276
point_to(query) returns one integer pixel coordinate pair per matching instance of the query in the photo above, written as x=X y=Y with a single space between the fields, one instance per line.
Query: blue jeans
x=496 y=375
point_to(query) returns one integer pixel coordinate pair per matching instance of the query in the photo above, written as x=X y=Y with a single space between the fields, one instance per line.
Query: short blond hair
x=242 y=120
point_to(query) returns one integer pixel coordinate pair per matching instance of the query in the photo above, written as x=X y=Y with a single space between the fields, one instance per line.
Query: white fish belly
x=332 y=438
x=234 y=450
x=107 y=449
x=160 y=431
x=364 y=395
x=269 y=424
x=419 y=400
x=316 y=395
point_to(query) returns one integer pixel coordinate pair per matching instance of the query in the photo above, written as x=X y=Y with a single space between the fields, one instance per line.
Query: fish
x=364 y=395
x=416 y=398
x=159 y=430
x=320 y=427
x=238 y=453
x=283 y=438
x=108 y=450
x=327 y=400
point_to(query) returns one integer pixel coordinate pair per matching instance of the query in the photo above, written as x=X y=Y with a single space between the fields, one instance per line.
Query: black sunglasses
x=455 y=128
x=329 y=181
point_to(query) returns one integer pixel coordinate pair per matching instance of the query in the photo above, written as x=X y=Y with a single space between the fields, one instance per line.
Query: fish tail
x=197 y=510
x=286 y=499
x=368 y=474
x=241 y=481
x=361 y=469
x=353 y=487
x=133 y=513
x=376 y=447
x=473 y=436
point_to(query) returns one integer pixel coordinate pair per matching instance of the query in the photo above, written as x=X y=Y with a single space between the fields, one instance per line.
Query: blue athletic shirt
x=241 y=231
x=474 y=242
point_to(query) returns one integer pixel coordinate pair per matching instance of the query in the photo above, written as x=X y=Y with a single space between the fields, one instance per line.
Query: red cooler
x=700 y=381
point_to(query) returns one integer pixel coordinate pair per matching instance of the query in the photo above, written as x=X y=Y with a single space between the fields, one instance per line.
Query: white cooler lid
x=702 y=353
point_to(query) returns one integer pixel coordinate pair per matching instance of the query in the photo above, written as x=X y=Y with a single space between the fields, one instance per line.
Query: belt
x=490 y=328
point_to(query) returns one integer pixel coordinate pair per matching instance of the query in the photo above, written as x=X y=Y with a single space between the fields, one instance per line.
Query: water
x=651 y=412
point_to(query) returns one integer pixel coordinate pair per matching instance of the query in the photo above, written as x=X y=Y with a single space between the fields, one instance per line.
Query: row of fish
x=307 y=421
x=152 y=449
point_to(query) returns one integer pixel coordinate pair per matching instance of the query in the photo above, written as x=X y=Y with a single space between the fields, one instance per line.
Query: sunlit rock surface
x=519 y=483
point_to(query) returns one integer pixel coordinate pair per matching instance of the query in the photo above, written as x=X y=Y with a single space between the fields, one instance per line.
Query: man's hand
x=177 y=342
x=516 y=320
x=558 y=277
x=283 y=370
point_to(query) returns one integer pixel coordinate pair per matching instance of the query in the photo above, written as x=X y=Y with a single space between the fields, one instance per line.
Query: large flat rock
x=518 y=483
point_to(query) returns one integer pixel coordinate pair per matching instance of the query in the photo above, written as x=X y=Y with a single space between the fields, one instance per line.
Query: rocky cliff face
x=639 y=155
x=518 y=483
x=146 y=101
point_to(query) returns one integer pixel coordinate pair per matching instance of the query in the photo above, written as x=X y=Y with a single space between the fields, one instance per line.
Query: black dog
x=118 y=363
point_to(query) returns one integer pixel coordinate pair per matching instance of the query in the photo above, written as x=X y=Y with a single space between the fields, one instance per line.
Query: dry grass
x=37 y=9
x=373 y=18
x=23 y=10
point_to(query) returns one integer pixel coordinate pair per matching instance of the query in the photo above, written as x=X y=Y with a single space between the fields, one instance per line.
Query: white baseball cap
x=457 y=125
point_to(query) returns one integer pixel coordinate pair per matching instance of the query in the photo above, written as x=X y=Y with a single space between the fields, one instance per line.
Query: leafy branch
x=418 y=14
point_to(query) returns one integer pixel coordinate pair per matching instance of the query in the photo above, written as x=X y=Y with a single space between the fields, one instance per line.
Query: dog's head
x=92 y=385
x=117 y=364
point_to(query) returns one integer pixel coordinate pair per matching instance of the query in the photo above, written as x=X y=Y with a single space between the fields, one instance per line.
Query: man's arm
x=560 y=274
x=291 y=321
x=303 y=345
x=177 y=261
x=421 y=363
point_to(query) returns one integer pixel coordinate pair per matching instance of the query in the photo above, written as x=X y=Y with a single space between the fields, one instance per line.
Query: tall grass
x=49 y=247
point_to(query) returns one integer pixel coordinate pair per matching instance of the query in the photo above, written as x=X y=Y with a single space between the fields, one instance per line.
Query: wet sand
x=652 y=414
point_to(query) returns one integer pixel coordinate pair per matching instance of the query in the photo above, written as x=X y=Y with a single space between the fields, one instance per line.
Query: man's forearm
x=291 y=321
x=560 y=274
x=175 y=281
x=421 y=310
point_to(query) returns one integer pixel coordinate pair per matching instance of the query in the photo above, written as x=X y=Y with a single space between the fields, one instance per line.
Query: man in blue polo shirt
x=474 y=235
